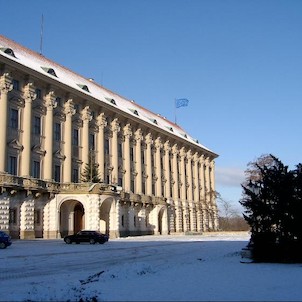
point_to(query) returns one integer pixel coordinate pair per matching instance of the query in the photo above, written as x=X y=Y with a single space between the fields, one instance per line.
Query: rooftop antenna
x=41 y=37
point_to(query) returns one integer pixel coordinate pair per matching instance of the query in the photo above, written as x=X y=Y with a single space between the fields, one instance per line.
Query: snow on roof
x=39 y=63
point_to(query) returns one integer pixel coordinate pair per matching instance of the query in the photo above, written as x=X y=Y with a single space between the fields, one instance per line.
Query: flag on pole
x=181 y=103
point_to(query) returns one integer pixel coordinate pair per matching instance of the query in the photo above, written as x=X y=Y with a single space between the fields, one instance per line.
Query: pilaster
x=86 y=118
x=127 y=166
x=50 y=103
x=69 y=111
x=115 y=128
x=5 y=87
x=158 y=145
x=138 y=159
x=102 y=123
x=149 y=142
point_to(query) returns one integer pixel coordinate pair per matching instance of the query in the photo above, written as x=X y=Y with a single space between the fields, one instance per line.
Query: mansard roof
x=39 y=63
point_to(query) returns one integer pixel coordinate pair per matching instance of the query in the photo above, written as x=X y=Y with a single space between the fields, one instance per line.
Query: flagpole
x=175 y=111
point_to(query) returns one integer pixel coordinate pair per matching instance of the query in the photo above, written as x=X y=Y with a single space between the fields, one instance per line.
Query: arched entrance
x=72 y=217
x=163 y=221
x=107 y=211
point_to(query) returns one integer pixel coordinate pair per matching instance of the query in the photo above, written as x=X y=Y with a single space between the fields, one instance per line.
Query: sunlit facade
x=155 y=178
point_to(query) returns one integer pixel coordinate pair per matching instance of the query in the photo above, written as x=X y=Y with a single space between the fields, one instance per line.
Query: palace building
x=155 y=178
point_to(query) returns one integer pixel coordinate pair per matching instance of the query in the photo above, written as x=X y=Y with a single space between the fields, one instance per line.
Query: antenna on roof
x=41 y=37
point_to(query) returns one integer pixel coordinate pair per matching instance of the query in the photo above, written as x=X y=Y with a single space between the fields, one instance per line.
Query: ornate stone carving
x=86 y=114
x=50 y=100
x=157 y=143
x=138 y=134
x=69 y=107
x=29 y=94
x=127 y=131
x=6 y=83
x=115 y=126
x=101 y=120
x=175 y=150
x=148 y=139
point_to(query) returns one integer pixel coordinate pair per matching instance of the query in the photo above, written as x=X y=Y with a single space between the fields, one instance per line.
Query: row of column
x=182 y=161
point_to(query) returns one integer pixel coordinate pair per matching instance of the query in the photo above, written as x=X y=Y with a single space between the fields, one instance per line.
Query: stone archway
x=108 y=217
x=163 y=227
x=72 y=217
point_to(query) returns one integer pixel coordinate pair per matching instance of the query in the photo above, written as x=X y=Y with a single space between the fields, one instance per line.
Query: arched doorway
x=72 y=217
x=163 y=221
x=78 y=223
x=106 y=213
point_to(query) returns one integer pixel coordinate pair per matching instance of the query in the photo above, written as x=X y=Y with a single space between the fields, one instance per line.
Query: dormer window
x=49 y=71
x=8 y=51
x=171 y=129
x=84 y=87
x=112 y=101
x=134 y=111
x=154 y=121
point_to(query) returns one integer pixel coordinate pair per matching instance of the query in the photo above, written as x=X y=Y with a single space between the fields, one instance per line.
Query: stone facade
x=155 y=178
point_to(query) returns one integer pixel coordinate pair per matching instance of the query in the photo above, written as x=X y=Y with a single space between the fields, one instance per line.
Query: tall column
x=190 y=180
x=102 y=123
x=86 y=117
x=196 y=178
x=207 y=181
x=50 y=103
x=183 y=173
x=138 y=159
x=5 y=87
x=158 y=146
x=213 y=196
x=127 y=166
x=69 y=112
x=115 y=128
x=177 y=203
x=203 y=214
x=175 y=172
x=149 y=164
x=29 y=96
x=167 y=150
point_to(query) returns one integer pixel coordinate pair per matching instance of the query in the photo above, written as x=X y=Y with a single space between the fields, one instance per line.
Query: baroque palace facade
x=156 y=179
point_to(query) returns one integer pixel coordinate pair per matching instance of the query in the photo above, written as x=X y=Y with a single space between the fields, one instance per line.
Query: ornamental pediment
x=38 y=149
x=15 y=144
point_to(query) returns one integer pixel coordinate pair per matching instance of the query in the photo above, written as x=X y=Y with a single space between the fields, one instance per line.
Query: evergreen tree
x=91 y=172
x=273 y=209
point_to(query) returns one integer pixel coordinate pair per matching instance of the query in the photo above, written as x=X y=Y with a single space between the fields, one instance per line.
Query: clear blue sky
x=238 y=62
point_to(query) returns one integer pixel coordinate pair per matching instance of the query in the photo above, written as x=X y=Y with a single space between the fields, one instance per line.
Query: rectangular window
x=120 y=150
x=13 y=216
x=59 y=101
x=143 y=157
x=36 y=169
x=75 y=137
x=14 y=118
x=91 y=141
x=120 y=181
x=143 y=187
x=37 y=125
x=131 y=154
x=107 y=179
x=132 y=185
x=16 y=85
x=39 y=93
x=37 y=216
x=106 y=146
x=57 y=131
x=57 y=173
x=12 y=165
x=75 y=175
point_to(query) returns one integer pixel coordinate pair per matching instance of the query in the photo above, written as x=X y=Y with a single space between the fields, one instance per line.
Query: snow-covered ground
x=148 y=268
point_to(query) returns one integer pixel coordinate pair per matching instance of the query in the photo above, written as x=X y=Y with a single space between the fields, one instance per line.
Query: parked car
x=87 y=236
x=5 y=240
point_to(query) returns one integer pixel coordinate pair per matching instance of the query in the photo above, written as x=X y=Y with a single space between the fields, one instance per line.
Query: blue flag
x=181 y=103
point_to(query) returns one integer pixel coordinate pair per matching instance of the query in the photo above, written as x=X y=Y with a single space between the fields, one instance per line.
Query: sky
x=144 y=268
x=238 y=62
